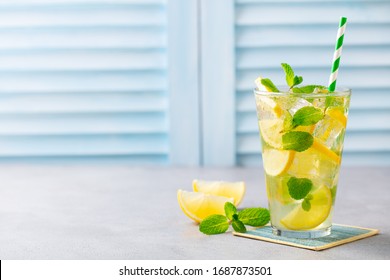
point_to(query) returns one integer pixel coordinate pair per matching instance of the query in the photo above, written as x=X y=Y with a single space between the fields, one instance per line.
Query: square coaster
x=341 y=234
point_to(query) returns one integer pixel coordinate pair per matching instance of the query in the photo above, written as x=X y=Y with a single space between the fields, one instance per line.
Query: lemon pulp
x=198 y=206
x=321 y=204
x=235 y=190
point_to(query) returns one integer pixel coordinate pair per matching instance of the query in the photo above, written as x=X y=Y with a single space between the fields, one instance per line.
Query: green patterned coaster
x=341 y=234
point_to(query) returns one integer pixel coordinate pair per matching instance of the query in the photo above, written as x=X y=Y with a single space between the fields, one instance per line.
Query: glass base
x=302 y=234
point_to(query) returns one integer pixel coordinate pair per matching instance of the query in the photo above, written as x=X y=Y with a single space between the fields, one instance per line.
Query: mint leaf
x=254 y=216
x=214 y=224
x=238 y=226
x=230 y=210
x=297 y=140
x=298 y=188
x=307 y=115
x=289 y=74
x=307 y=89
x=287 y=122
x=306 y=205
x=297 y=80
x=269 y=85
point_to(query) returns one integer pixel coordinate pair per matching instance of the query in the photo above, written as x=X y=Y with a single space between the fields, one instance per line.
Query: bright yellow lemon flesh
x=197 y=205
x=235 y=190
x=299 y=219
x=277 y=162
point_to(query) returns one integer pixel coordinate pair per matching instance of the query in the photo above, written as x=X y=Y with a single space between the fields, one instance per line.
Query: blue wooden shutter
x=303 y=33
x=84 y=80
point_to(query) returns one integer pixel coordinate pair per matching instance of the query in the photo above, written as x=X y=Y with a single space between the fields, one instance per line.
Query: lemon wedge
x=198 y=206
x=277 y=162
x=299 y=219
x=235 y=190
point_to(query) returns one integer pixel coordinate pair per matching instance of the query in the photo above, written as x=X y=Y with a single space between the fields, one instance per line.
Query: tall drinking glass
x=302 y=138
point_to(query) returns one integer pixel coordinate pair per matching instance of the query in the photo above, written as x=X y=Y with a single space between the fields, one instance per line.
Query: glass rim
x=340 y=92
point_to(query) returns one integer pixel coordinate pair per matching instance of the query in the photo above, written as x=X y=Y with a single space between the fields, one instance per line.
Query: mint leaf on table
x=307 y=115
x=254 y=216
x=307 y=89
x=238 y=226
x=299 y=188
x=297 y=140
x=214 y=224
x=230 y=210
x=269 y=85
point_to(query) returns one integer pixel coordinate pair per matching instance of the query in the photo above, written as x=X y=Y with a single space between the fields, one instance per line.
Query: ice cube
x=314 y=165
x=296 y=104
x=330 y=132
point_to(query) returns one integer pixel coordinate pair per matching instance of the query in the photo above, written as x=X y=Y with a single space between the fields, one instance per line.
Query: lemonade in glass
x=302 y=136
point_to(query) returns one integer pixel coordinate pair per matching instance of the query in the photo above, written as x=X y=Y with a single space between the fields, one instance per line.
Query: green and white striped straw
x=337 y=54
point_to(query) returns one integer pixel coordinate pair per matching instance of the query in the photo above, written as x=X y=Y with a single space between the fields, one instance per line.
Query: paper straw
x=337 y=54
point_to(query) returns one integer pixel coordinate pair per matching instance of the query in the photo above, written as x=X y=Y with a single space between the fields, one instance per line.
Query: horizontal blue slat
x=75 y=145
x=83 y=81
x=91 y=159
x=79 y=124
x=118 y=102
x=39 y=4
x=83 y=60
x=82 y=37
x=71 y=15
x=311 y=12
x=308 y=36
x=356 y=56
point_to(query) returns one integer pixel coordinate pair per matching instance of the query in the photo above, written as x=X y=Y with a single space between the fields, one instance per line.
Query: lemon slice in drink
x=236 y=190
x=198 y=206
x=321 y=148
x=269 y=102
x=277 y=162
x=299 y=219
x=337 y=113
x=271 y=131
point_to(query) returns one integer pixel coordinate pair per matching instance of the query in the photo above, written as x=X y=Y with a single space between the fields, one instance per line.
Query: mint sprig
x=216 y=224
x=291 y=79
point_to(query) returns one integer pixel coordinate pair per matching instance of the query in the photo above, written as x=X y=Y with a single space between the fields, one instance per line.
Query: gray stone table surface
x=123 y=212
